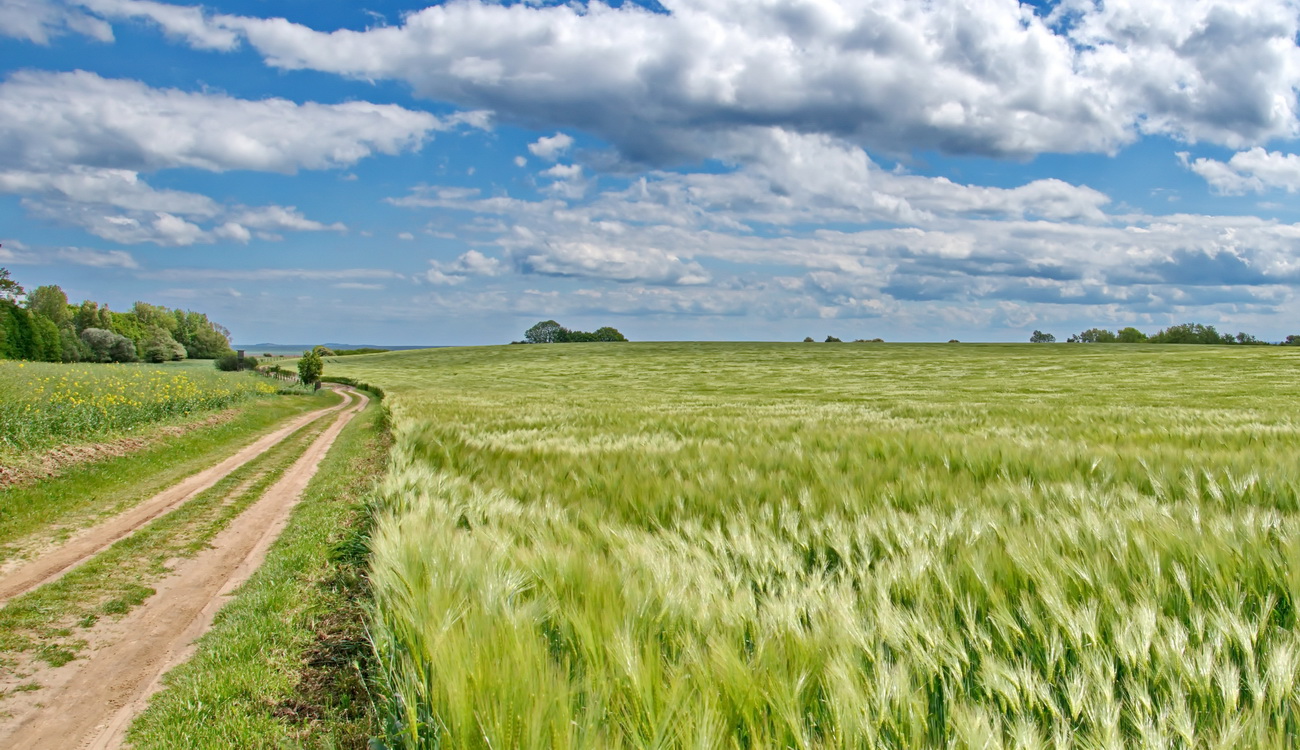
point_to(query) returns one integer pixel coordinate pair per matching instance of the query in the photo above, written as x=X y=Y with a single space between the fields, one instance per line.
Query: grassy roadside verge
x=280 y=666
x=52 y=508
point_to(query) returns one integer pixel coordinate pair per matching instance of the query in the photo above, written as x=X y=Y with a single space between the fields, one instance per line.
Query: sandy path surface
x=89 y=702
x=19 y=577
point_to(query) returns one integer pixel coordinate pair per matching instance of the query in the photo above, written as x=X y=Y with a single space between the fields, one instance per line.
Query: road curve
x=93 y=706
x=50 y=565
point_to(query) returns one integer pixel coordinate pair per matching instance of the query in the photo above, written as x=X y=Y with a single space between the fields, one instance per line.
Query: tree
x=50 y=302
x=808 y=339
x=833 y=340
x=159 y=346
x=545 y=332
x=1292 y=340
x=86 y=316
x=1130 y=335
x=608 y=333
x=1191 y=333
x=1097 y=336
x=1038 y=337
x=310 y=368
x=10 y=290
x=106 y=346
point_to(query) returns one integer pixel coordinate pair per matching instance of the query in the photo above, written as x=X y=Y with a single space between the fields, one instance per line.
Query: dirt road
x=19 y=577
x=89 y=702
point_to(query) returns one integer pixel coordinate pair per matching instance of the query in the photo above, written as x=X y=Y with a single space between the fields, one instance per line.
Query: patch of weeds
x=134 y=596
x=87 y=621
x=56 y=655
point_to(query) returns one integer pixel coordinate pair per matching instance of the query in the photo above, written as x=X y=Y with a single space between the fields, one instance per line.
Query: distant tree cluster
x=43 y=326
x=1183 y=333
x=836 y=340
x=550 y=332
x=363 y=350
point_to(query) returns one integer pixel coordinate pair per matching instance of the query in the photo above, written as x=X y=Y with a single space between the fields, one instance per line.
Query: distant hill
x=255 y=350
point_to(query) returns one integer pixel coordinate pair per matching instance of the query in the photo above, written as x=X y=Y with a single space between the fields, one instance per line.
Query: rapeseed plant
x=43 y=404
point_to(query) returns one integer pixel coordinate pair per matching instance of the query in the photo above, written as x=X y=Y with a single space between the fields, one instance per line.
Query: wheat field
x=838 y=546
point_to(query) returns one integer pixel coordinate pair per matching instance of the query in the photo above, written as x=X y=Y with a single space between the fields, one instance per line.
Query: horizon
x=682 y=169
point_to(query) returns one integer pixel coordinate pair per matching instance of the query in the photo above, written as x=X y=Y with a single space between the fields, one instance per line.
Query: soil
x=90 y=702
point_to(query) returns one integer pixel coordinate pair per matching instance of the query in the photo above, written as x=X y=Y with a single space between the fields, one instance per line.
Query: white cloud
x=602 y=261
x=182 y=22
x=40 y=21
x=521 y=161
x=551 y=147
x=1253 y=171
x=472 y=263
x=283 y=218
x=16 y=253
x=988 y=77
x=407 y=236
x=271 y=274
x=114 y=188
x=51 y=121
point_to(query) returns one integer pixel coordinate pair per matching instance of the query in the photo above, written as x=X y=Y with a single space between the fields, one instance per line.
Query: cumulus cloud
x=53 y=120
x=601 y=261
x=894 y=75
x=40 y=21
x=16 y=253
x=470 y=264
x=181 y=22
x=1253 y=171
x=76 y=144
x=551 y=147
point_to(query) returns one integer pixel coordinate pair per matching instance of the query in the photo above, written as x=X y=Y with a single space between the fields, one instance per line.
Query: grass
x=282 y=665
x=818 y=546
x=43 y=404
x=49 y=509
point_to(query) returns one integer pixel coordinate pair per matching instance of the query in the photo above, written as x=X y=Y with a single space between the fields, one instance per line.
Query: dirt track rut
x=53 y=563
x=91 y=701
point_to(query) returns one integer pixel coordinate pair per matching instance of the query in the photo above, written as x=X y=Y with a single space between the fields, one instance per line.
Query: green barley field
x=838 y=546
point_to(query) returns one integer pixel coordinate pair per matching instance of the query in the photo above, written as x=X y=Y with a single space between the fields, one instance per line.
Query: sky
x=405 y=173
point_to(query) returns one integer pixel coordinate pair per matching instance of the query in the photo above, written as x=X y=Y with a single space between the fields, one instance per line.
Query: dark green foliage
x=545 y=332
x=159 y=346
x=808 y=339
x=50 y=329
x=833 y=340
x=1130 y=335
x=1038 y=337
x=1191 y=333
x=18 y=338
x=50 y=302
x=550 y=332
x=349 y=352
x=10 y=290
x=310 y=368
x=106 y=346
x=231 y=362
x=1096 y=336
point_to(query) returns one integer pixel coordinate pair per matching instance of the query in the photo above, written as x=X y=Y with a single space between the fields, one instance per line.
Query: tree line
x=1183 y=333
x=44 y=326
x=550 y=332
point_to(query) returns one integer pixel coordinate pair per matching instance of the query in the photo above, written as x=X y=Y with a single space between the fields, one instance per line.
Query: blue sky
x=397 y=173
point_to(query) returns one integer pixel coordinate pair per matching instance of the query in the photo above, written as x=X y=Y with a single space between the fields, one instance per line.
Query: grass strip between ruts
x=283 y=663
